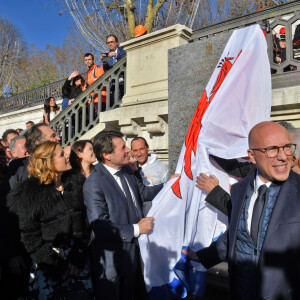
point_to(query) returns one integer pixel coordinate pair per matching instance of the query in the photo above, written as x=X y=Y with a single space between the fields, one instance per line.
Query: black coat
x=218 y=197
x=9 y=231
x=18 y=171
x=70 y=92
x=48 y=220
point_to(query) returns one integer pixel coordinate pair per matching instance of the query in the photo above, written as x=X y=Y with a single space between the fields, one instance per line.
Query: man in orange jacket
x=93 y=74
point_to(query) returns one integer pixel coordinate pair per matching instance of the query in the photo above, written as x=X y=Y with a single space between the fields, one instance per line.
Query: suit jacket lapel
x=286 y=192
x=110 y=181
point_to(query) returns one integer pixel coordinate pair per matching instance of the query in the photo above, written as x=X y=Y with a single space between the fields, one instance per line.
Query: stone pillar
x=286 y=105
x=144 y=109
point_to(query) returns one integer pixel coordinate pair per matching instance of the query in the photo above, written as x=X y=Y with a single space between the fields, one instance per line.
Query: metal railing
x=32 y=97
x=105 y=94
x=286 y=73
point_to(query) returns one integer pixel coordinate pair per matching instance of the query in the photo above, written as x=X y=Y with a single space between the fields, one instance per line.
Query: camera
x=105 y=57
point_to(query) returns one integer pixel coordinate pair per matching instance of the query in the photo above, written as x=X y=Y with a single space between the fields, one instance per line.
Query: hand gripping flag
x=237 y=96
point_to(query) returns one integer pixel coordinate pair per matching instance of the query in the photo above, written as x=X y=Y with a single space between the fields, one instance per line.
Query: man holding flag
x=262 y=242
x=237 y=97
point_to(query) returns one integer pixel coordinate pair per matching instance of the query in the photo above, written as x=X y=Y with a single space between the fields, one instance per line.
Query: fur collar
x=30 y=198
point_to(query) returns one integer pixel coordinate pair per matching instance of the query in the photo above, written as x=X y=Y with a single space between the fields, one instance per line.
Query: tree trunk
x=130 y=16
x=152 y=13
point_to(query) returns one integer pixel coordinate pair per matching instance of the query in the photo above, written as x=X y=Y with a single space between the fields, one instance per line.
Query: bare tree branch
x=152 y=13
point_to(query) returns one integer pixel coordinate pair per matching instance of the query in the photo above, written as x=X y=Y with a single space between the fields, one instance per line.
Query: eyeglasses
x=272 y=151
x=110 y=42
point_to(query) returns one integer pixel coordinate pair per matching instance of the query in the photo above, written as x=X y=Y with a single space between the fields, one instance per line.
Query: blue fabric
x=64 y=103
x=215 y=238
x=271 y=197
x=168 y=291
x=193 y=280
x=245 y=258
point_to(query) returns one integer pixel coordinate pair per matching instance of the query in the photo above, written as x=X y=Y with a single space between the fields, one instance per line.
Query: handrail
x=33 y=97
x=78 y=118
x=245 y=20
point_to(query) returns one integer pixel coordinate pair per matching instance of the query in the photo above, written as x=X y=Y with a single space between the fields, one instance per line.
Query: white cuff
x=136 y=230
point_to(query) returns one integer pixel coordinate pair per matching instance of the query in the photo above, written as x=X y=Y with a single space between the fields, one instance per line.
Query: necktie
x=257 y=211
x=131 y=206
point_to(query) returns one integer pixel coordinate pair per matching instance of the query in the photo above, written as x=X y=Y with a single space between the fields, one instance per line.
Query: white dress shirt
x=258 y=182
x=113 y=172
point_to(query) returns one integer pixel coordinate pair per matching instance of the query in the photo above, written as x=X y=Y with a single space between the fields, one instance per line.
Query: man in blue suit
x=113 y=198
x=114 y=54
x=262 y=243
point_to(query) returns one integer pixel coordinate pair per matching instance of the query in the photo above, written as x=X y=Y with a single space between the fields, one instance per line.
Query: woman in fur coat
x=51 y=212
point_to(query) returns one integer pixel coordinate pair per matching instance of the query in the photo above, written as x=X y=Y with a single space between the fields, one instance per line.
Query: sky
x=37 y=24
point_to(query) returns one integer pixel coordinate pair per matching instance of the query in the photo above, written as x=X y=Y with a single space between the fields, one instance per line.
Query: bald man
x=262 y=244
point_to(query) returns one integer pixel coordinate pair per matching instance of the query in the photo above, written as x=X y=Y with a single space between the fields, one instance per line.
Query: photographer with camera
x=113 y=54
x=109 y=59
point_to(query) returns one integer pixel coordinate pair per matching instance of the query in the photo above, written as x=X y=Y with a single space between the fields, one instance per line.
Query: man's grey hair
x=288 y=126
x=12 y=143
x=296 y=140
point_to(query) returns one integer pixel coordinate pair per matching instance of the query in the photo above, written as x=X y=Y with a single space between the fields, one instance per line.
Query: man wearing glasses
x=114 y=53
x=262 y=244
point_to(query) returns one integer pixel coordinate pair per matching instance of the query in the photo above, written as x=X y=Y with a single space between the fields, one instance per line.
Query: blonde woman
x=49 y=205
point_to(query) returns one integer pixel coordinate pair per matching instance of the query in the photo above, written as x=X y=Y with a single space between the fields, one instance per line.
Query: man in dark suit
x=262 y=244
x=38 y=133
x=110 y=58
x=113 y=196
x=114 y=53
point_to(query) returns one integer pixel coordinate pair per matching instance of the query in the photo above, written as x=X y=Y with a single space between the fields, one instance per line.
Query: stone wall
x=18 y=119
x=190 y=68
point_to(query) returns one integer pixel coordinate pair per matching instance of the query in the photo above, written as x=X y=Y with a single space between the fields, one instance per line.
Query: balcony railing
x=32 y=97
x=105 y=94
x=271 y=20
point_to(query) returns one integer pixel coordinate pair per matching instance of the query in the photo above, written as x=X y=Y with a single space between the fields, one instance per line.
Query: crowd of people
x=60 y=225
x=70 y=225
x=71 y=217
x=75 y=84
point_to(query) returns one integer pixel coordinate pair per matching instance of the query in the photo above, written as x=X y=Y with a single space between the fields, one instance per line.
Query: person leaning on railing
x=72 y=88
x=94 y=72
x=109 y=59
